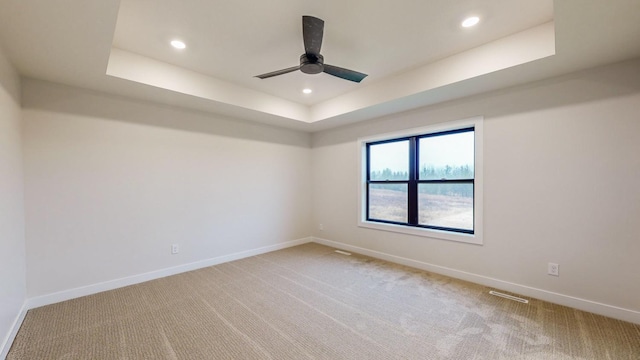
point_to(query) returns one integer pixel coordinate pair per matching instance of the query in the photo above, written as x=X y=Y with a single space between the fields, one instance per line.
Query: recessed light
x=178 y=44
x=470 y=21
x=307 y=91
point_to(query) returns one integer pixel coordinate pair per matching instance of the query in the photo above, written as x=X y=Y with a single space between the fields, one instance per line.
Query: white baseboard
x=136 y=279
x=552 y=297
x=561 y=299
x=6 y=344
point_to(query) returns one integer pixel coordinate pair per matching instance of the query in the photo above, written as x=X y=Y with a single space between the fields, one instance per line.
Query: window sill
x=436 y=234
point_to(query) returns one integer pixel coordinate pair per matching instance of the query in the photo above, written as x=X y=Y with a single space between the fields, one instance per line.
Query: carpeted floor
x=308 y=302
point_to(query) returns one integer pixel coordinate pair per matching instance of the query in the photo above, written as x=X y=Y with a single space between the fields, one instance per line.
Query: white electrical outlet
x=321 y=227
x=553 y=269
x=175 y=249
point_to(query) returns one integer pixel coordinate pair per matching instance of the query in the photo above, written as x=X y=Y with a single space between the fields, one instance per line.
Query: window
x=425 y=182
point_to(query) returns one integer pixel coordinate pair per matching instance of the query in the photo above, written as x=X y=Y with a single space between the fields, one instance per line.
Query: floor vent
x=343 y=252
x=506 y=296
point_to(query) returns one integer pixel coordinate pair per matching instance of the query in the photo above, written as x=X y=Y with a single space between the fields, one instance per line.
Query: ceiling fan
x=311 y=62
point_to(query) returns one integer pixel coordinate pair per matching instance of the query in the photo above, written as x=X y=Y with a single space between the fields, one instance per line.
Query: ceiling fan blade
x=278 y=72
x=344 y=73
x=312 y=31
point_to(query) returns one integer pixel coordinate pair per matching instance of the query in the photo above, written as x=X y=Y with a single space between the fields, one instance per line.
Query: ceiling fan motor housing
x=311 y=64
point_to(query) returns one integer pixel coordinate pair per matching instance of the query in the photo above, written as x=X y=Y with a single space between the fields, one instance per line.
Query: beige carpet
x=309 y=302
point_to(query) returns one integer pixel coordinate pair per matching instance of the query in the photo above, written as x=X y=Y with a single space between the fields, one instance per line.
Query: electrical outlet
x=175 y=249
x=321 y=227
x=553 y=269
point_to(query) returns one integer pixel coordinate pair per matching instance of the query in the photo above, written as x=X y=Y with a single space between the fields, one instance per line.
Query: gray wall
x=112 y=183
x=12 y=240
x=561 y=181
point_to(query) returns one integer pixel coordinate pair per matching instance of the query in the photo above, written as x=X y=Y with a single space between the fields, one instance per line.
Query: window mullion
x=413 y=182
x=368 y=177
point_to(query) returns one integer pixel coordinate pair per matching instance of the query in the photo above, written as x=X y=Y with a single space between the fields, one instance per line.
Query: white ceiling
x=414 y=51
x=234 y=41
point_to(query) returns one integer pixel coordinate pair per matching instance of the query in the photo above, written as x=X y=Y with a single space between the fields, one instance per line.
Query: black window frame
x=413 y=181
